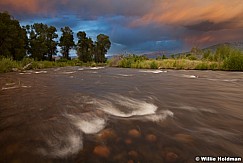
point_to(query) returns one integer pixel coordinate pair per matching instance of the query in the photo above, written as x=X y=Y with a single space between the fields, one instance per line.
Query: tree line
x=40 y=41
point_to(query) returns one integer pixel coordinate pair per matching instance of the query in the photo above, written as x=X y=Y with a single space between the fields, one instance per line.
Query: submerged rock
x=134 y=133
x=107 y=134
x=171 y=157
x=128 y=141
x=102 y=151
x=133 y=154
x=151 y=138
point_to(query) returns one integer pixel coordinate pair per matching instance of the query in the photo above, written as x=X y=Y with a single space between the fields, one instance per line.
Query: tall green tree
x=102 y=45
x=13 y=38
x=84 y=47
x=51 y=43
x=37 y=41
x=66 y=41
x=42 y=44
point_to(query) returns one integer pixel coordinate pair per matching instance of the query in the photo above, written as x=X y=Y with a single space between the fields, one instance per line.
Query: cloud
x=139 y=24
x=187 y=12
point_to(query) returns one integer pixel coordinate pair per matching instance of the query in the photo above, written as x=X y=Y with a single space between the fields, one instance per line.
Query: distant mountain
x=154 y=55
x=236 y=45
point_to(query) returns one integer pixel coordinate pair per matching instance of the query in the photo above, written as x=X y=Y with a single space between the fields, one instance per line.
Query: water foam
x=190 y=76
x=96 y=68
x=89 y=123
x=124 y=75
x=26 y=86
x=159 y=116
x=8 y=84
x=6 y=88
x=69 y=72
x=153 y=71
x=63 y=147
x=25 y=73
x=40 y=72
x=224 y=80
x=126 y=107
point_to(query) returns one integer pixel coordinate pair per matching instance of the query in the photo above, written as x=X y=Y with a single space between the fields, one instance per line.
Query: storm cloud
x=139 y=25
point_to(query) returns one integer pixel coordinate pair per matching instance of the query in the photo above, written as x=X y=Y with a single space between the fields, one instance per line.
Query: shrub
x=234 y=62
x=153 y=65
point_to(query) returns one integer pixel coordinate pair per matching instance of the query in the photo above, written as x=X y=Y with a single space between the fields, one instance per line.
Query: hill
x=236 y=45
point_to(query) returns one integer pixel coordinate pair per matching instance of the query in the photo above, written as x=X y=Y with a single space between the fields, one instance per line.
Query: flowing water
x=98 y=115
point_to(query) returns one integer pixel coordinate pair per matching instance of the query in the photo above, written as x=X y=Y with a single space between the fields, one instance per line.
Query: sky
x=139 y=26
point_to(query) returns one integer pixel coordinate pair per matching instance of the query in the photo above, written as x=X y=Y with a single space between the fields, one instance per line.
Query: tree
x=66 y=41
x=102 y=45
x=84 y=47
x=51 y=43
x=37 y=41
x=41 y=41
x=13 y=39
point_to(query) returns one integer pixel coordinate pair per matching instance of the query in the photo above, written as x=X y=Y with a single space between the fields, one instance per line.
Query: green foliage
x=161 y=57
x=13 y=38
x=42 y=44
x=234 y=61
x=101 y=47
x=7 y=64
x=66 y=41
x=192 y=57
x=131 y=60
x=154 y=65
x=222 y=53
x=114 y=61
x=85 y=47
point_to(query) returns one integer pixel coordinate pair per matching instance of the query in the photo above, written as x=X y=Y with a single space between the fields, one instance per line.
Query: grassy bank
x=224 y=58
x=8 y=65
x=187 y=64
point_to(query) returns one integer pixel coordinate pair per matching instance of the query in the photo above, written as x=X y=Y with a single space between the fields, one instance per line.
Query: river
x=103 y=114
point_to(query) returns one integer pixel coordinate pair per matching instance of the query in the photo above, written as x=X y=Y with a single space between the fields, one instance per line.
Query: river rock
x=130 y=161
x=128 y=141
x=171 y=157
x=151 y=138
x=102 y=151
x=107 y=134
x=133 y=154
x=134 y=133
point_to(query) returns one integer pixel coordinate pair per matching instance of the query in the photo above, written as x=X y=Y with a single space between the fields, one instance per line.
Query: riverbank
x=176 y=64
x=9 y=65
x=224 y=58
